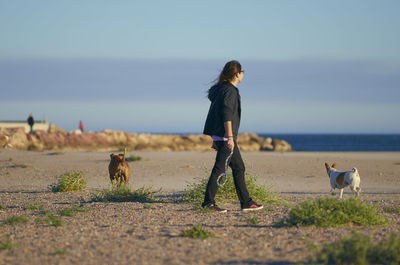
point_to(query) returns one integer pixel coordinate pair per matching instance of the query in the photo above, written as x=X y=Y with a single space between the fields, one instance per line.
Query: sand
x=133 y=233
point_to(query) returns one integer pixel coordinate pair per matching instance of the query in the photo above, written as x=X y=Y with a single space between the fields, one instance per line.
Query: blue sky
x=311 y=66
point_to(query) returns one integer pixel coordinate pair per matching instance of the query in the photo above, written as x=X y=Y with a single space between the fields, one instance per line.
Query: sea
x=340 y=142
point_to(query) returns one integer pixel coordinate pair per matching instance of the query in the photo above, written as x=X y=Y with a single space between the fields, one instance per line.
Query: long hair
x=231 y=68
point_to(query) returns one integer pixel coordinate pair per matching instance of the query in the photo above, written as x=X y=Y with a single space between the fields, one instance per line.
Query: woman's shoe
x=253 y=207
x=215 y=208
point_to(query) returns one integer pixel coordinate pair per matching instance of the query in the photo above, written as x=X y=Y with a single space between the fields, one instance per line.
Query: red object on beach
x=81 y=126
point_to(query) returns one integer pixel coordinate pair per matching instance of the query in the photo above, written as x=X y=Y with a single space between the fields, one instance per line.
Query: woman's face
x=240 y=76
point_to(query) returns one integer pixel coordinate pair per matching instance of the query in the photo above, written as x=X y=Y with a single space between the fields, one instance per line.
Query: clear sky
x=311 y=66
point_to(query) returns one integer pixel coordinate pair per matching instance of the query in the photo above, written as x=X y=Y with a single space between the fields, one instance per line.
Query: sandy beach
x=129 y=233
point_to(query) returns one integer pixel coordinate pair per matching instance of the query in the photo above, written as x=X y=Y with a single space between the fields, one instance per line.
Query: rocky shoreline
x=58 y=139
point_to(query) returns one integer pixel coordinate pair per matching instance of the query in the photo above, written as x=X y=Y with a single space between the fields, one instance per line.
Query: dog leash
x=223 y=177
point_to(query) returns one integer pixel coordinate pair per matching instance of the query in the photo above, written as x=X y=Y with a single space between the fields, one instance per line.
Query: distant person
x=222 y=124
x=81 y=126
x=31 y=122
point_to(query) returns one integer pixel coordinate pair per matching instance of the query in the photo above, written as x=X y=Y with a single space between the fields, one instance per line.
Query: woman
x=222 y=125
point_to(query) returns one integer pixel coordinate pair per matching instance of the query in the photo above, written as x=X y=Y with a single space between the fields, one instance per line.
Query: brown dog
x=118 y=169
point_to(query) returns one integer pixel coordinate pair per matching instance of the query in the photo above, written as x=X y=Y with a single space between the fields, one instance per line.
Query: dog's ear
x=111 y=156
x=334 y=165
x=327 y=165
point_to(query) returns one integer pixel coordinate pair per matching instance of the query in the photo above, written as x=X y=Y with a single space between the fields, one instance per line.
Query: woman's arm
x=229 y=134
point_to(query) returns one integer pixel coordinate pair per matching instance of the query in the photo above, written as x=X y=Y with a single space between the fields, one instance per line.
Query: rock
x=19 y=140
x=4 y=141
x=56 y=138
x=77 y=131
x=55 y=129
x=281 y=145
x=267 y=146
x=250 y=147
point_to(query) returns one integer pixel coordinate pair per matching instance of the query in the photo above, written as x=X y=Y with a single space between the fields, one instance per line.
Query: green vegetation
x=45 y=212
x=392 y=209
x=148 y=206
x=50 y=219
x=16 y=219
x=133 y=158
x=124 y=194
x=56 y=153
x=55 y=220
x=8 y=244
x=71 y=211
x=35 y=206
x=252 y=221
x=41 y=220
x=358 y=249
x=2 y=207
x=19 y=166
x=332 y=212
x=194 y=193
x=15 y=165
x=60 y=252
x=69 y=181
x=197 y=232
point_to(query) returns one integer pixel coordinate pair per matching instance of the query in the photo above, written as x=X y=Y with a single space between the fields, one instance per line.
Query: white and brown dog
x=340 y=180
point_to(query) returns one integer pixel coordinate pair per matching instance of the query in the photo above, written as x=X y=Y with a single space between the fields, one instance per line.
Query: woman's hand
x=231 y=144
x=229 y=134
x=214 y=146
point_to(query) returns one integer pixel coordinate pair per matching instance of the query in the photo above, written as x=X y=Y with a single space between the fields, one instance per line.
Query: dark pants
x=238 y=169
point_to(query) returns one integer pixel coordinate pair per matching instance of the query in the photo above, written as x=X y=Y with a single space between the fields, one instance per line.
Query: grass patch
x=148 y=206
x=56 y=153
x=45 y=212
x=8 y=244
x=50 y=220
x=35 y=206
x=332 y=212
x=41 y=220
x=15 y=165
x=194 y=192
x=358 y=249
x=19 y=165
x=60 y=252
x=55 y=220
x=16 y=219
x=133 y=158
x=197 y=232
x=71 y=211
x=392 y=209
x=125 y=194
x=252 y=221
x=2 y=207
x=69 y=181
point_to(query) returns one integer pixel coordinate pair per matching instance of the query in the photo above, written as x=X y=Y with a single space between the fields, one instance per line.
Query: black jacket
x=225 y=106
x=31 y=121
